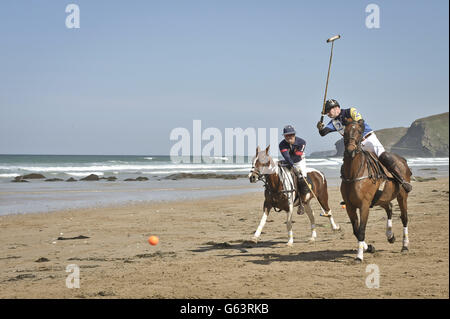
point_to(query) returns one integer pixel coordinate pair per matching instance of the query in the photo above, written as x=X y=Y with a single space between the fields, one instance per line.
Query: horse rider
x=293 y=150
x=340 y=117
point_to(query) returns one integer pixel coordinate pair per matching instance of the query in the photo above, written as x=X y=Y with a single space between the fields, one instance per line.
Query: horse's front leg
x=362 y=246
x=266 y=210
x=289 y=225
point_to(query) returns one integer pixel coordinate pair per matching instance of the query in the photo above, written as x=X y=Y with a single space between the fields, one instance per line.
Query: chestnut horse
x=280 y=193
x=366 y=183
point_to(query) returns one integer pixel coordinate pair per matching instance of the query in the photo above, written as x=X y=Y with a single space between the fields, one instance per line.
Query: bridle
x=352 y=141
x=356 y=142
x=263 y=178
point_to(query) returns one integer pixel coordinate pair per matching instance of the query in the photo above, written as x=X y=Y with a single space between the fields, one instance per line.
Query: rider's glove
x=320 y=125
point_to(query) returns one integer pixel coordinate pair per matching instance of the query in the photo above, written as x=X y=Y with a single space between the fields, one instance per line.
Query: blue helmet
x=288 y=129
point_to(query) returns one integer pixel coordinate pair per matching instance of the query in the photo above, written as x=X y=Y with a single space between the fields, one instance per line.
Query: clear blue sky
x=137 y=69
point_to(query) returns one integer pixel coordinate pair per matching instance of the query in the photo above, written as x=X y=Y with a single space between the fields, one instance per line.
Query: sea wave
x=127 y=167
x=118 y=167
x=434 y=161
x=8 y=175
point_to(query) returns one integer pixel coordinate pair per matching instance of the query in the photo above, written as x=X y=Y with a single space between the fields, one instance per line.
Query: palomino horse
x=366 y=183
x=280 y=193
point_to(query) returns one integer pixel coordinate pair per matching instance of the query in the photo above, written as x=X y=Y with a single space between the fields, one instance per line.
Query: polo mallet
x=328 y=76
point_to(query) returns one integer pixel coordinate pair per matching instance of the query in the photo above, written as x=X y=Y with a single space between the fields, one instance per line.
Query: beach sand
x=203 y=251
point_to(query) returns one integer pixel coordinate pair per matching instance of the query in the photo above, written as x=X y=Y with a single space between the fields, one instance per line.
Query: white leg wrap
x=361 y=249
x=364 y=245
x=261 y=225
x=389 y=232
x=405 y=237
x=291 y=237
x=333 y=224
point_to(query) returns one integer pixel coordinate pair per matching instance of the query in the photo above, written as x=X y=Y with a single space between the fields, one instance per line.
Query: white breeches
x=372 y=144
x=300 y=167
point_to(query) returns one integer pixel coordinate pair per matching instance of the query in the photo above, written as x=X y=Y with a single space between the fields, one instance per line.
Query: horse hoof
x=358 y=260
x=255 y=240
x=312 y=240
x=405 y=249
x=391 y=240
x=289 y=244
x=370 y=249
x=338 y=229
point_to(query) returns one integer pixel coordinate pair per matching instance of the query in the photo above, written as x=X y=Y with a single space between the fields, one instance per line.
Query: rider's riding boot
x=387 y=160
x=303 y=189
x=303 y=186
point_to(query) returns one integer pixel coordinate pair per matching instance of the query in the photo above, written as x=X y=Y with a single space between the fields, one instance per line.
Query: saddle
x=376 y=170
x=379 y=167
x=299 y=184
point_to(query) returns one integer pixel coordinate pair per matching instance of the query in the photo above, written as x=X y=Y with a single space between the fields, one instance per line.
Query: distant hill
x=426 y=137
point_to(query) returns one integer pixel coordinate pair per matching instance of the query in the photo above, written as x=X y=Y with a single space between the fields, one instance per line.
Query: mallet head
x=333 y=38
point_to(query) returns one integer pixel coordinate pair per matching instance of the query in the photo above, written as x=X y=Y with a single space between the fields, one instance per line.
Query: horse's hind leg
x=402 y=198
x=258 y=231
x=322 y=198
x=312 y=220
x=389 y=233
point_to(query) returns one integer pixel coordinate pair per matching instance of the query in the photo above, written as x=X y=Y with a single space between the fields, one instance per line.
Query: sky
x=135 y=70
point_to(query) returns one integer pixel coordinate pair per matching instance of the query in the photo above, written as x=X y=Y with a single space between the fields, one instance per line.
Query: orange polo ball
x=153 y=240
x=343 y=206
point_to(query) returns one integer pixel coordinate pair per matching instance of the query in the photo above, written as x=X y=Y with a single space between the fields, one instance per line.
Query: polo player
x=293 y=150
x=340 y=118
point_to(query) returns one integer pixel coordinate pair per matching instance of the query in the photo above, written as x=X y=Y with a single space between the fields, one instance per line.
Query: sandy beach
x=204 y=251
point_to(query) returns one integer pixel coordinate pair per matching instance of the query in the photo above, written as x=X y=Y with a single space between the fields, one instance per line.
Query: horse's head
x=353 y=135
x=262 y=164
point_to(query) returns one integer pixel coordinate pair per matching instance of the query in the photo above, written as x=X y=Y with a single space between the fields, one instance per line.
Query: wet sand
x=204 y=251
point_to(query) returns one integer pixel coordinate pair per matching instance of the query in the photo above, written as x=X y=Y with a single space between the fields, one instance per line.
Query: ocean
x=39 y=195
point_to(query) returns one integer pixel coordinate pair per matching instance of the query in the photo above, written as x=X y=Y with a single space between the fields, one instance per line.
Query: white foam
x=129 y=167
x=8 y=175
x=84 y=173
x=197 y=171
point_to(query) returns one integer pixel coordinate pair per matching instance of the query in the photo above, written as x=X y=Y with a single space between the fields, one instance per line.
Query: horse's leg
x=362 y=246
x=353 y=215
x=322 y=198
x=402 y=202
x=289 y=225
x=389 y=233
x=312 y=220
x=266 y=210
